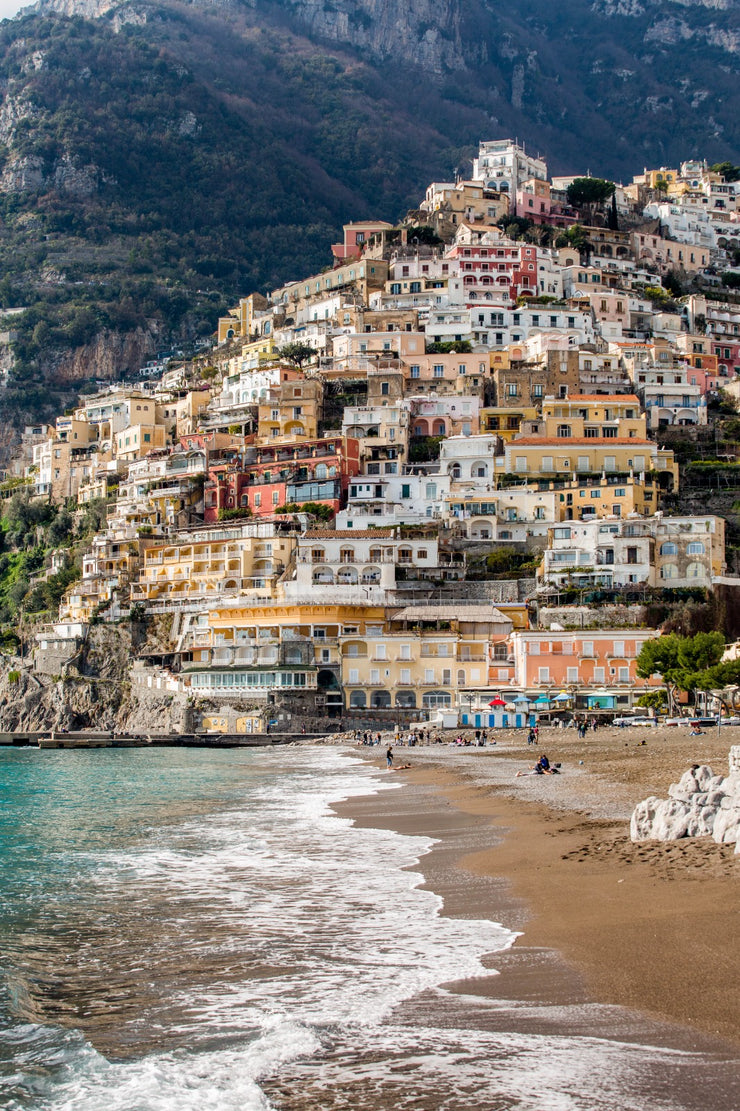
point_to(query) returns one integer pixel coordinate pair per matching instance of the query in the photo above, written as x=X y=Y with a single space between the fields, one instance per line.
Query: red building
x=494 y=272
x=266 y=477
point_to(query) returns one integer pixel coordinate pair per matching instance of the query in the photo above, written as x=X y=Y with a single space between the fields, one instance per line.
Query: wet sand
x=650 y=927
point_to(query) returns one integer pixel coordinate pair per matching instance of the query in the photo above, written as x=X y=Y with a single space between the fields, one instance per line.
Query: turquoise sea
x=188 y=929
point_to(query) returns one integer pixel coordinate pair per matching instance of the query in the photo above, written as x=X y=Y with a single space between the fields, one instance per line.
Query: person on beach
x=389 y=757
x=542 y=767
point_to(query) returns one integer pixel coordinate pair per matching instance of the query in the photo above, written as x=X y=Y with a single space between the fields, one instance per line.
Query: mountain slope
x=159 y=159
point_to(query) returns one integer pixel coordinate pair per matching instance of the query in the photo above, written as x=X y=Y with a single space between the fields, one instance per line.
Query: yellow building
x=504 y=421
x=592 y=416
x=293 y=410
x=240 y=322
x=212 y=563
x=137 y=440
x=425 y=657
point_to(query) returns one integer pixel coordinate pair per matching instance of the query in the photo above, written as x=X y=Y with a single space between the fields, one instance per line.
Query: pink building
x=452 y=415
x=727 y=351
x=355 y=237
x=496 y=270
x=596 y=665
x=534 y=202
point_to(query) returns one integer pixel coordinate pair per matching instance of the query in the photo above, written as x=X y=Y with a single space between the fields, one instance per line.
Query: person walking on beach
x=389 y=757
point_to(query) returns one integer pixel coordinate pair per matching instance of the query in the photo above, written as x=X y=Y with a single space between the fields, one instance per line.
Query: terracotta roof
x=578 y=441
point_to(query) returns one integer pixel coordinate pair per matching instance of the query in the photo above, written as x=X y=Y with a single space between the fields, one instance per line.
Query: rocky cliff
x=93 y=691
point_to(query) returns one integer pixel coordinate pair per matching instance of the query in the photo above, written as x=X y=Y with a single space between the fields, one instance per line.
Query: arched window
x=669 y=571
x=696 y=571
x=375 y=555
x=380 y=700
x=669 y=548
x=455 y=471
x=406 y=700
x=461 y=677
x=321 y=470
x=405 y=555
x=347 y=555
x=357 y=700
x=695 y=548
x=437 y=698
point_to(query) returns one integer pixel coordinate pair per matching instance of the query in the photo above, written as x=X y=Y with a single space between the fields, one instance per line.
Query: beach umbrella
x=562 y=697
x=522 y=698
x=497 y=702
x=542 y=698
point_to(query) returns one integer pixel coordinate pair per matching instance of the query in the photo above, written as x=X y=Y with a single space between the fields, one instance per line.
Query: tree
x=297 y=353
x=653 y=700
x=680 y=661
x=729 y=171
x=451 y=347
x=575 y=237
x=589 y=191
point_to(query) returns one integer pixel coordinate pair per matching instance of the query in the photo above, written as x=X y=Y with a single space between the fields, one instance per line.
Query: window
x=695 y=548
x=563 y=431
x=624 y=674
x=669 y=571
x=669 y=548
x=632 y=555
x=599 y=675
x=618 y=648
x=544 y=674
x=587 y=648
x=438 y=370
x=572 y=675
x=406 y=490
x=695 y=571
x=415 y=372
x=406 y=675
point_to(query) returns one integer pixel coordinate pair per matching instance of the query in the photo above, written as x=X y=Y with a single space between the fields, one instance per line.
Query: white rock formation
x=701 y=804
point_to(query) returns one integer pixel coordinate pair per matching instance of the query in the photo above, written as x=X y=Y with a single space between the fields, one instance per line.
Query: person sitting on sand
x=542 y=767
x=696 y=732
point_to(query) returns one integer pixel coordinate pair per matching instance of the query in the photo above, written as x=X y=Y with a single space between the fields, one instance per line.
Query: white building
x=504 y=165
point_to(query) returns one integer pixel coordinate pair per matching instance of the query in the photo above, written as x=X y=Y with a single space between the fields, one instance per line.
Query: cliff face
x=107 y=356
x=423 y=33
x=94 y=691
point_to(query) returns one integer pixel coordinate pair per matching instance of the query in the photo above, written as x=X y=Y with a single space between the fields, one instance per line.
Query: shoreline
x=646 y=927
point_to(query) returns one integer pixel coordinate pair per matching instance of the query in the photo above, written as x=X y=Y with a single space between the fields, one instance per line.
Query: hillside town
x=455 y=477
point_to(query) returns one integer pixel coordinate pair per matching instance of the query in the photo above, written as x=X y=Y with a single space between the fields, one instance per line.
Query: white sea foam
x=313 y=933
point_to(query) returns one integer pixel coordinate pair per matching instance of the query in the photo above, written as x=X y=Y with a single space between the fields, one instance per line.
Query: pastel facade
x=600 y=665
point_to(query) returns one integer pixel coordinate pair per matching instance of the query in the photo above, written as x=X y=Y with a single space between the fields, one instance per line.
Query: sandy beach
x=649 y=927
